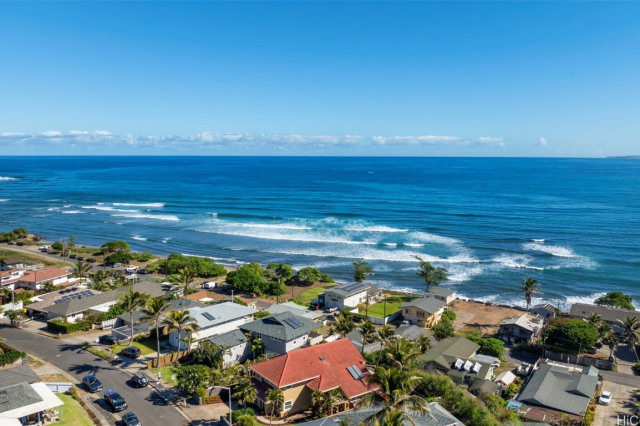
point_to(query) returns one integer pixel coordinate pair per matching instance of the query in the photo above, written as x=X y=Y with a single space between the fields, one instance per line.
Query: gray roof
x=485 y=386
x=295 y=309
x=16 y=396
x=21 y=373
x=439 y=291
x=427 y=304
x=558 y=388
x=457 y=347
x=525 y=321
x=73 y=306
x=276 y=327
x=608 y=314
x=356 y=338
x=175 y=305
x=546 y=306
x=229 y=339
x=349 y=289
x=213 y=315
x=411 y=332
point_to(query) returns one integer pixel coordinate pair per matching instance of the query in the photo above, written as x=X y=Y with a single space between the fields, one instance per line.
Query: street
x=146 y=403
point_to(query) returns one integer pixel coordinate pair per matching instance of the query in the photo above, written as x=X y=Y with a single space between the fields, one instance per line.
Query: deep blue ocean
x=573 y=224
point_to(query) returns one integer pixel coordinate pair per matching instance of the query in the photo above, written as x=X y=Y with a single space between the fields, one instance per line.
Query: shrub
x=636 y=368
x=261 y=314
x=67 y=327
x=489 y=346
x=443 y=329
x=530 y=348
x=450 y=315
x=11 y=357
x=239 y=302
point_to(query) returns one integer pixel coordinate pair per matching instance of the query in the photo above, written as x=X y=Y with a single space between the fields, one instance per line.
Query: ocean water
x=573 y=224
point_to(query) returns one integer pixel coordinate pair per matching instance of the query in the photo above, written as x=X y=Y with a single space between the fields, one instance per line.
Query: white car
x=605 y=398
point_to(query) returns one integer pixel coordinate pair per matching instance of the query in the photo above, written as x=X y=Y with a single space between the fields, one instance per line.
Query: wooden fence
x=168 y=359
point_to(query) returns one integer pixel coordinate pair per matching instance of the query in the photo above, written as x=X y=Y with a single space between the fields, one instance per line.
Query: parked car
x=130 y=419
x=140 y=380
x=5 y=268
x=108 y=340
x=92 y=384
x=80 y=257
x=73 y=256
x=115 y=401
x=524 y=369
x=332 y=309
x=117 y=265
x=592 y=350
x=599 y=345
x=605 y=398
x=142 y=271
x=91 y=260
x=131 y=352
x=209 y=285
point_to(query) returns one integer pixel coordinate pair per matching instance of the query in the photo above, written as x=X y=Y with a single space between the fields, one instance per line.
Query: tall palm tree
x=529 y=287
x=343 y=325
x=100 y=280
x=401 y=353
x=101 y=286
x=179 y=321
x=631 y=330
x=245 y=391
x=153 y=313
x=394 y=393
x=424 y=343
x=368 y=331
x=611 y=340
x=186 y=277
x=132 y=301
x=430 y=274
x=82 y=269
x=276 y=398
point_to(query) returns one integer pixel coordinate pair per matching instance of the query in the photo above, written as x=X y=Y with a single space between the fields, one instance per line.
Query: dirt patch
x=54 y=378
x=481 y=317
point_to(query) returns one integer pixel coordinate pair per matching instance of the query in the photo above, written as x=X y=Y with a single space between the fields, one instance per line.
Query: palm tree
x=368 y=331
x=245 y=391
x=361 y=271
x=343 y=325
x=317 y=398
x=282 y=272
x=276 y=398
x=100 y=280
x=595 y=320
x=179 y=321
x=631 y=331
x=611 y=340
x=530 y=286
x=132 y=301
x=401 y=353
x=210 y=354
x=186 y=276
x=82 y=269
x=101 y=286
x=430 y=274
x=329 y=400
x=395 y=392
x=392 y=418
x=424 y=343
x=153 y=312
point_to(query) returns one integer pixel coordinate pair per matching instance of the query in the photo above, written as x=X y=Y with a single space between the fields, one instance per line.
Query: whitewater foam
x=391 y=244
x=373 y=228
x=416 y=245
x=71 y=212
x=433 y=238
x=275 y=226
x=102 y=207
x=517 y=261
x=558 y=251
x=138 y=238
x=4 y=200
x=6 y=178
x=170 y=218
x=151 y=205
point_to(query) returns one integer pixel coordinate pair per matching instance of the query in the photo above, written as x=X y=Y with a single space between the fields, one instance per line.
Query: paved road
x=620 y=378
x=146 y=403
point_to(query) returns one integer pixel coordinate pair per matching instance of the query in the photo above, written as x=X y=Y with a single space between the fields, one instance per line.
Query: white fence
x=4 y=309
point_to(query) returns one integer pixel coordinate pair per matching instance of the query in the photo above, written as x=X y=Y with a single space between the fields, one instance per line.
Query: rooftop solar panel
x=293 y=322
x=208 y=316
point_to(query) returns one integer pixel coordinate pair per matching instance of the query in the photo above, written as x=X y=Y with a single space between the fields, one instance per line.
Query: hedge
x=67 y=327
x=11 y=357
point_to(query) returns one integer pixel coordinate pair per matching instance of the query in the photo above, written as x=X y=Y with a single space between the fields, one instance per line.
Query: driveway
x=147 y=403
x=622 y=404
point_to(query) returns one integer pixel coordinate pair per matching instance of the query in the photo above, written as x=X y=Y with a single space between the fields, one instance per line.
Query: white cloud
x=50 y=134
x=489 y=139
x=416 y=140
x=542 y=142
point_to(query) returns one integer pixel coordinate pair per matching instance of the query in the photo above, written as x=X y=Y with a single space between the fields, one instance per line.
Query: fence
x=600 y=364
x=105 y=325
x=385 y=321
x=168 y=359
x=60 y=387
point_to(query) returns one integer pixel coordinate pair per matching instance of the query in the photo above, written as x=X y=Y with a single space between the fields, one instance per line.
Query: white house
x=445 y=294
x=34 y=280
x=237 y=345
x=284 y=332
x=348 y=295
x=214 y=319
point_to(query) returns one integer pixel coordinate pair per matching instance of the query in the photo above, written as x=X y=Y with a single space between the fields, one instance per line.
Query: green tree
x=424 y=343
x=248 y=278
x=309 y=275
x=631 y=332
x=119 y=257
x=49 y=287
x=401 y=353
x=616 y=299
x=186 y=277
x=190 y=378
x=210 y=354
x=368 y=331
x=529 y=287
x=57 y=246
x=611 y=340
x=443 y=329
x=343 y=325
x=275 y=398
x=132 y=301
x=361 y=271
x=281 y=272
x=430 y=274
x=570 y=335
x=82 y=269
x=179 y=321
x=15 y=317
x=153 y=312
x=114 y=247
x=245 y=391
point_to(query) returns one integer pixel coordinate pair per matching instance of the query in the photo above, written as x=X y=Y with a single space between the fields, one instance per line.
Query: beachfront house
x=610 y=315
x=561 y=388
x=455 y=356
x=236 y=344
x=546 y=311
x=348 y=295
x=523 y=328
x=13 y=263
x=9 y=279
x=35 y=280
x=322 y=368
x=423 y=311
x=283 y=332
x=212 y=320
x=445 y=294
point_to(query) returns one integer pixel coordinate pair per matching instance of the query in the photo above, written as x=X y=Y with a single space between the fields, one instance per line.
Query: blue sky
x=320 y=78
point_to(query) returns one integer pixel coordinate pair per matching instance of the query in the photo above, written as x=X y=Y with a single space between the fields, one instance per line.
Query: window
x=406 y=311
x=288 y=405
x=420 y=314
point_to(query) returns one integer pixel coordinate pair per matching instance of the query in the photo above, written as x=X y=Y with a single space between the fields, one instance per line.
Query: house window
x=288 y=405
x=406 y=311
x=420 y=314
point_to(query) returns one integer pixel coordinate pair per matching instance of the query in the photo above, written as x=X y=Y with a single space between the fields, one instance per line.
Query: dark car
x=115 y=401
x=92 y=384
x=592 y=350
x=131 y=352
x=80 y=257
x=599 y=345
x=142 y=271
x=130 y=419
x=108 y=340
x=73 y=256
x=140 y=380
x=91 y=260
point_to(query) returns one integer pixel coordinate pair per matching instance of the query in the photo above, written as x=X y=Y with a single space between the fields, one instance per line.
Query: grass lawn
x=393 y=305
x=147 y=346
x=168 y=373
x=72 y=413
x=30 y=258
x=305 y=297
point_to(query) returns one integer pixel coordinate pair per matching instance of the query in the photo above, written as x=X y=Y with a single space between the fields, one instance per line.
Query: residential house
x=484 y=386
x=610 y=315
x=546 y=311
x=410 y=331
x=356 y=338
x=523 y=328
x=236 y=344
x=9 y=279
x=295 y=309
x=212 y=320
x=437 y=416
x=455 y=356
x=561 y=387
x=321 y=368
x=13 y=263
x=43 y=301
x=73 y=308
x=445 y=294
x=283 y=332
x=24 y=400
x=423 y=311
x=35 y=280
x=348 y=295
x=505 y=379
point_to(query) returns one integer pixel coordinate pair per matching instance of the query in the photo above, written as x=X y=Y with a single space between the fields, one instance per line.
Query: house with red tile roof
x=34 y=280
x=336 y=366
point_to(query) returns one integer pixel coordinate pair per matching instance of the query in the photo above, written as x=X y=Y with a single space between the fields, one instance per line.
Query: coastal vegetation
x=430 y=274
x=361 y=271
x=569 y=335
x=616 y=299
x=203 y=267
x=13 y=236
x=305 y=297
